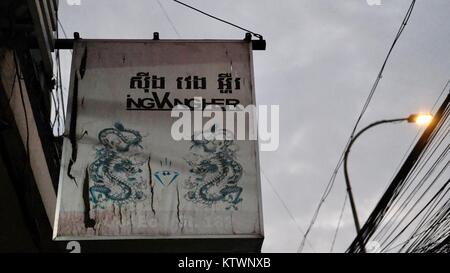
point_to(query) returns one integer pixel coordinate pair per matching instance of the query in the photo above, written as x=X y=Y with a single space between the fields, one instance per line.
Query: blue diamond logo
x=166 y=177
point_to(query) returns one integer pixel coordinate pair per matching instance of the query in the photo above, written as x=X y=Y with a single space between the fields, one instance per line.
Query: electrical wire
x=338 y=226
x=25 y=112
x=385 y=231
x=56 y=107
x=433 y=168
x=12 y=89
x=62 y=28
x=59 y=88
x=166 y=14
x=411 y=145
x=286 y=208
x=415 y=216
x=28 y=186
x=413 y=176
x=332 y=179
x=56 y=101
x=219 y=19
x=58 y=61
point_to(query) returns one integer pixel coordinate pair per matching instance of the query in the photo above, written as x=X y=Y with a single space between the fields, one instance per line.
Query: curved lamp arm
x=347 y=179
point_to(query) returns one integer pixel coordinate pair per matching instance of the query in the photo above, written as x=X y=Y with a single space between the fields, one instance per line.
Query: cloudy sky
x=322 y=57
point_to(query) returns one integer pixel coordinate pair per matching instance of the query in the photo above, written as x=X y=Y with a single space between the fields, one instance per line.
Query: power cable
x=419 y=130
x=331 y=181
x=166 y=14
x=62 y=28
x=425 y=168
x=12 y=88
x=219 y=19
x=25 y=112
x=59 y=86
x=28 y=186
x=427 y=154
x=338 y=226
x=286 y=208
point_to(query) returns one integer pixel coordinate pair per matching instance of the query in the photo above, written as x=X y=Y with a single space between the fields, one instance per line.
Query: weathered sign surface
x=124 y=176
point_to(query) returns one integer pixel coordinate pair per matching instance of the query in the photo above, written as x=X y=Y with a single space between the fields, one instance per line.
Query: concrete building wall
x=26 y=125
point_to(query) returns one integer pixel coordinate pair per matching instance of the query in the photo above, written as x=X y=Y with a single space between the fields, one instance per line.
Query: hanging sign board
x=124 y=175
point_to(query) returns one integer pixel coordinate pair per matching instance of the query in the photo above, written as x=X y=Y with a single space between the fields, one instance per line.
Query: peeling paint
x=72 y=131
x=85 y=133
x=232 y=224
x=178 y=205
x=73 y=119
x=131 y=224
x=83 y=64
x=150 y=181
x=120 y=215
x=88 y=222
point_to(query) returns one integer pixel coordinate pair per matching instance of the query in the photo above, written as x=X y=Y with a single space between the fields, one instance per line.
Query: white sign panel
x=123 y=175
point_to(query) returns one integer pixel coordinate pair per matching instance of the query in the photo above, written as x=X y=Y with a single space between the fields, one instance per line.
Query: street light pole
x=419 y=119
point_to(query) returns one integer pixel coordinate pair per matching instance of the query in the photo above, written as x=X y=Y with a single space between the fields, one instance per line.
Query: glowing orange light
x=421 y=119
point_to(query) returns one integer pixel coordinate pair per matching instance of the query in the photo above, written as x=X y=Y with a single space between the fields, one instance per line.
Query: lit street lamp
x=420 y=119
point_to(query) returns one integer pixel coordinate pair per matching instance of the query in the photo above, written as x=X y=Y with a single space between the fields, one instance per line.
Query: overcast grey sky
x=322 y=57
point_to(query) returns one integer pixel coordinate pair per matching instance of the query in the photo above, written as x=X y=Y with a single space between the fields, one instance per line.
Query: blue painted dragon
x=216 y=173
x=115 y=171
